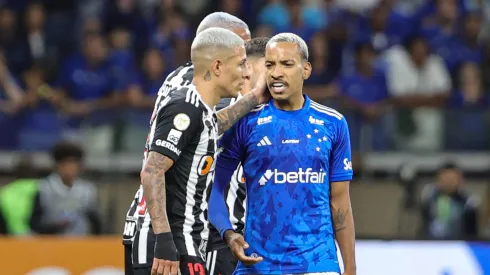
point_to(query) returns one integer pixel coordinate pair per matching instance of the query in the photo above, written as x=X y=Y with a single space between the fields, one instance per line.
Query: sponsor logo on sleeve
x=168 y=145
x=347 y=165
x=174 y=136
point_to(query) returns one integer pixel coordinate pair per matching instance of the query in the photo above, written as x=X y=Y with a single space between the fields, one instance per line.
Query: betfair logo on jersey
x=300 y=176
x=168 y=145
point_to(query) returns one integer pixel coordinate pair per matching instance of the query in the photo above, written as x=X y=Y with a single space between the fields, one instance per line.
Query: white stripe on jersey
x=143 y=241
x=326 y=110
x=232 y=196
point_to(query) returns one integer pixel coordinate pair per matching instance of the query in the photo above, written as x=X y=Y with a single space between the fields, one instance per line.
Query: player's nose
x=246 y=72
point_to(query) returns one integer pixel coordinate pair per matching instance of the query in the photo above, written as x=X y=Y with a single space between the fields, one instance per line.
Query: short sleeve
x=176 y=125
x=340 y=158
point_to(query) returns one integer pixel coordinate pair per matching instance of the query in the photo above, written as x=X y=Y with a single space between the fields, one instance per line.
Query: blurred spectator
x=15 y=50
x=86 y=81
x=10 y=92
x=417 y=79
x=448 y=210
x=290 y=16
x=470 y=92
x=16 y=199
x=144 y=88
x=364 y=96
x=465 y=115
x=40 y=47
x=441 y=31
x=384 y=27
x=322 y=75
x=469 y=48
x=121 y=56
x=65 y=203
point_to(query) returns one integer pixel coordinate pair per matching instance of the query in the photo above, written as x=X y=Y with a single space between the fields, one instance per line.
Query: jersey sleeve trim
x=341 y=177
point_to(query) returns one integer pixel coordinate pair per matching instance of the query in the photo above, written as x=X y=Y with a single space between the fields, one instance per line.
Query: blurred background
x=77 y=85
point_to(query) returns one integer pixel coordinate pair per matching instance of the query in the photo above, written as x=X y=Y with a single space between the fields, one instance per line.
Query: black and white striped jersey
x=181 y=77
x=235 y=198
x=184 y=129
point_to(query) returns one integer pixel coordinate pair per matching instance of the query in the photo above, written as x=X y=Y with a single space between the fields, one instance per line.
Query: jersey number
x=129 y=229
x=196 y=269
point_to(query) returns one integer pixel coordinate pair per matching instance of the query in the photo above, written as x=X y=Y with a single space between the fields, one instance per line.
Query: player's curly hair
x=67 y=150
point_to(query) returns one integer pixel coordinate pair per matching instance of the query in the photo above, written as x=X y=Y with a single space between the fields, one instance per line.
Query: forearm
x=231 y=114
x=153 y=181
x=218 y=211
x=343 y=222
x=14 y=93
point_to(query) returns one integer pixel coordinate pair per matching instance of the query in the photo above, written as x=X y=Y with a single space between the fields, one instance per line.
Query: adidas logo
x=264 y=142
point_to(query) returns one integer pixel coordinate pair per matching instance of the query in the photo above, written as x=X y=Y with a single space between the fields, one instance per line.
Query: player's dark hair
x=256 y=46
x=67 y=150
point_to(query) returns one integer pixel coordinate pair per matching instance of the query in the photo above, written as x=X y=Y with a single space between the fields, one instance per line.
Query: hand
x=164 y=267
x=238 y=245
x=260 y=91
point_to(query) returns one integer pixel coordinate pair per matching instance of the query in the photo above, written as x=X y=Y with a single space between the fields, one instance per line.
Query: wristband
x=165 y=247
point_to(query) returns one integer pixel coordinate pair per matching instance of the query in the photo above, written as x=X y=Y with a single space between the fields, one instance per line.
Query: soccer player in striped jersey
x=181 y=150
x=219 y=259
x=138 y=238
x=296 y=160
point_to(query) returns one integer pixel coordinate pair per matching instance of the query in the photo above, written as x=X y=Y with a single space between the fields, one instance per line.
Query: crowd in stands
x=408 y=74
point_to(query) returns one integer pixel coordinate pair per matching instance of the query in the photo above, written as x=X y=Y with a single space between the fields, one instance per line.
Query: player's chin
x=279 y=95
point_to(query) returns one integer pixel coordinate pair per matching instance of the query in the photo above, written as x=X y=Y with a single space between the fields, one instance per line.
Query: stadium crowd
x=89 y=70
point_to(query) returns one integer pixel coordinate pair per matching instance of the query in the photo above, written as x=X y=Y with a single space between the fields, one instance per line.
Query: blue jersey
x=289 y=160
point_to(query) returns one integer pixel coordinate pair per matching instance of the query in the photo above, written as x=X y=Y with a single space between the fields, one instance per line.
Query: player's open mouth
x=277 y=87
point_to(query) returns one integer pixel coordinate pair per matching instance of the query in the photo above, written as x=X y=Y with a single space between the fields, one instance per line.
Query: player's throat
x=294 y=103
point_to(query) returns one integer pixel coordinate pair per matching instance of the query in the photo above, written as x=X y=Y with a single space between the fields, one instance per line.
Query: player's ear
x=217 y=67
x=306 y=70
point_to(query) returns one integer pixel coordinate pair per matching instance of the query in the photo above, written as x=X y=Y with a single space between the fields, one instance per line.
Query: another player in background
x=219 y=259
x=296 y=160
x=138 y=236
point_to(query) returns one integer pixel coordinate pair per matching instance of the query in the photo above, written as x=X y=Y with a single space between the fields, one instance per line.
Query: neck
x=292 y=104
x=207 y=90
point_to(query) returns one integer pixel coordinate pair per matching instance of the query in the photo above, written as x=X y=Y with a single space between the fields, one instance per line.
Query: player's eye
x=268 y=65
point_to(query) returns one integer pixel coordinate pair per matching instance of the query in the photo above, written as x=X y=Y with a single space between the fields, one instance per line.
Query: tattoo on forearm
x=207 y=76
x=153 y=180
x=228 y=116
x=339 y=216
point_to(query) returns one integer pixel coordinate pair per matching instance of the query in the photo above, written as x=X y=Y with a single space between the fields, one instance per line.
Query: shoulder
x=225 y=102
x=181 y=76
x=326 y=113
x=86 y=186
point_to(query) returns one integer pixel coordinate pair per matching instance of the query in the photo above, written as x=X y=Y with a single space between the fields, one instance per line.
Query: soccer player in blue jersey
x=296 y=161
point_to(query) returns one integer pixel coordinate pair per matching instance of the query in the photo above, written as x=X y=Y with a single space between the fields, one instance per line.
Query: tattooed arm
x=153 y=181
x=343 y=223
x=231 y=114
